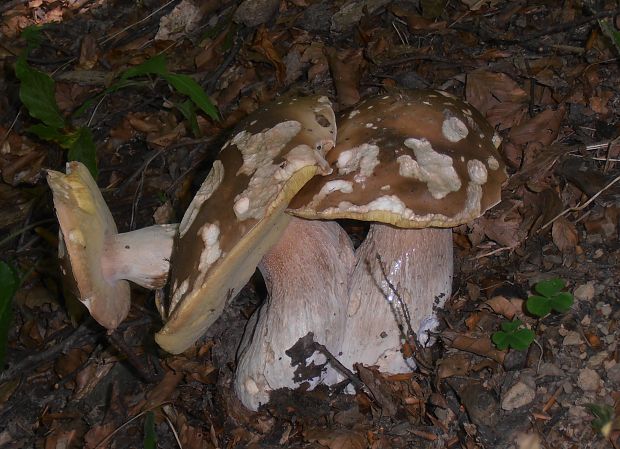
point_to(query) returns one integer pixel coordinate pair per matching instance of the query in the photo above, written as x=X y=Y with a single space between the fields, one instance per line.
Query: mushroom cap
x=412 y=159
x=85 y=225
x=237 y=214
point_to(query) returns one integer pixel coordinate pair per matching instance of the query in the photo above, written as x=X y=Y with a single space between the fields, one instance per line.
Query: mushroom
x=101 y=260
x=412 y=163
x=307 y=277
x=238 y=212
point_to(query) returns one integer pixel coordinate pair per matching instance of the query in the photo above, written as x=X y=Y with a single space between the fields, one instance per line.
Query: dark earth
x=545 y=75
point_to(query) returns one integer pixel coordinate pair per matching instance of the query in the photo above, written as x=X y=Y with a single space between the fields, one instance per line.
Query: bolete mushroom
x=238 y=212
x=307 y=277
x=101 y=260
x=411 y=162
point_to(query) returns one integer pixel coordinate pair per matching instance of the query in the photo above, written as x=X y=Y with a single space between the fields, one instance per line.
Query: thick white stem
x=306 y=274
x=141 y=256
x=418 y=265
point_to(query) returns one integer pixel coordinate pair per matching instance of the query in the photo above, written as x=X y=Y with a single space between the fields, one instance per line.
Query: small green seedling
x=550 y=298
x=150 y=437
x=513 y=335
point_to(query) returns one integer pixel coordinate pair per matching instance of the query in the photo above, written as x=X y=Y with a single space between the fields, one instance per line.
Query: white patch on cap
x=386 y=187
x=210 y=234
x=353 y=113
x=209 y=185
x=454 y=129
x=363 y=158
x=330 y=187
x=268 y=177
x=433 y=168
x=492 y=162
x=497 y=140
x=76 y=236
x=477 y=172
x=259 y=150
x=241 y=206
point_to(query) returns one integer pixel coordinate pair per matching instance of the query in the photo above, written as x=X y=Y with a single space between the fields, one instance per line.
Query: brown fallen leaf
x=337 y=438
x=477 y=345
x=346 y=67
x=503 y=306
x=89 y=52
x=454 y=365
x=542 y=128
x=564 y=234
x=263 y=45
x=163 y=391
x=499 y=98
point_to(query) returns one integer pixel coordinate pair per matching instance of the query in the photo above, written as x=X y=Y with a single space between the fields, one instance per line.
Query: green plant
x=9 y=283
x=150 y=438
x=603 y=421
x=551 y=297
x=513 y=335
x=37 y=93
x=608 y=29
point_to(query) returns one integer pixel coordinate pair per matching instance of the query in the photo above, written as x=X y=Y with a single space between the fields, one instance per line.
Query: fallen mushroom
x=422 y=160
x=238 y=212
x=101 y=260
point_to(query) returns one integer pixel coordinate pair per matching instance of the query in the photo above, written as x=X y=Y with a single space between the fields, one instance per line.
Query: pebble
x=606 y=310
x=550 y=369
x=518 y=395
x=597 y=359
x=584 y=292
x=252 y=13
x=572 y=338
x=588 y=380
x=613 y=374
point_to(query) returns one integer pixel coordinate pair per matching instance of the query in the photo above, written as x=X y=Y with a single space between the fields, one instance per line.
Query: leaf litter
x=544 y=76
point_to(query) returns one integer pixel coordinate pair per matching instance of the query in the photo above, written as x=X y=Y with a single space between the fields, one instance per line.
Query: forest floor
x=546 y=76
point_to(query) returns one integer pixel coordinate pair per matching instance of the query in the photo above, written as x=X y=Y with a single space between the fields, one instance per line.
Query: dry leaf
x=89 y=52
x=497 y=97
x=503 y=306
x=564 y=234
x=337 y=438
x=454 y=365
x=182 y=20
x=263 y=45
x=346 y=67
x=482 y=345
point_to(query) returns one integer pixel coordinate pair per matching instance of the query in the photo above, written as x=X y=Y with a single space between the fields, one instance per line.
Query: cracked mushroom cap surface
x=413 y=159
x=85 y=226
x=237 y=214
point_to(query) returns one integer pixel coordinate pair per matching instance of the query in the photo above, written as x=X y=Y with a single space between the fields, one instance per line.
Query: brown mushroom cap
x=86 y=223
x=413 y=159
x=237 y=214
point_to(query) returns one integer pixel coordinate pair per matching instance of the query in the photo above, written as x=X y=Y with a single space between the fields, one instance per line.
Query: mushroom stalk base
x=141 y=256
x=306 y=273
x=400 y=278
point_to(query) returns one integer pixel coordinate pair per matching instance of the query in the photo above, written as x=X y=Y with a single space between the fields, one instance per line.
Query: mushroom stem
x=306 y=273
x=141 y=256
x=400 y=278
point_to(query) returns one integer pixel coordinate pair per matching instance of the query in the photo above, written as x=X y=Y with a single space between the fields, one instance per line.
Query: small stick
x=358 y=384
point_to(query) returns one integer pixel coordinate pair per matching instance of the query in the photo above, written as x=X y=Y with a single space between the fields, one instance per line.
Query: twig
x=11 y=4
x=338 y=366
x=116 y=339
x=209 y=84
x=15 y=234
x=581 y=206
x=128 y=27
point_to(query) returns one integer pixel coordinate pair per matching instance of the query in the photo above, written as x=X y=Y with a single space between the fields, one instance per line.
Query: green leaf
x=48 y=133
x=156 y=65
x=513 y=335
x=187 y=86
x=562 y=302
x=188 y=109
x=32 y=36
x=150 y=438
x=550 y=287
x=82 y=148
x=538 y=305
x=9 y=283
x=36 y=92
x=603 y=415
